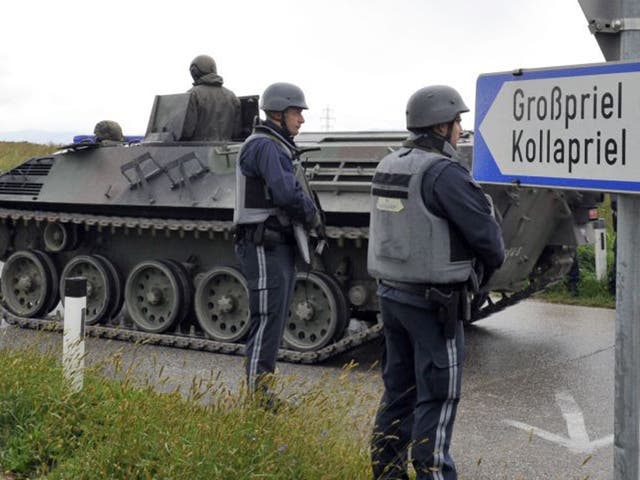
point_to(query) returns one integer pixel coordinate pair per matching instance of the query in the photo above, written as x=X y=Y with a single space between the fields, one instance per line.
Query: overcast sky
x=64 y=65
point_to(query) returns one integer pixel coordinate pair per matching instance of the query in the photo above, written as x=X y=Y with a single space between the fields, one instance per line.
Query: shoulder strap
x=262 y=132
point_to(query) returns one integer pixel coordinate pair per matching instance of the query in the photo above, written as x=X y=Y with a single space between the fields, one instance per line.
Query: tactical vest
x=253 y=201
x=408 y=243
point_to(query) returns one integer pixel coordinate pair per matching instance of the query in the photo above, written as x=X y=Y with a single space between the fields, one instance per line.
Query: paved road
x=537 y=391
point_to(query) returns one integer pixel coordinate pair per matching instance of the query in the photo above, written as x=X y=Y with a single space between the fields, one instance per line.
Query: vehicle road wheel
x=28 y=282
x=117 y=296
x=313 y=314
x=54 y=296
x=222 y=304
x=100 y=284
x=59 y=237
x=153 y=296
x=342 y=309
x=185 y=283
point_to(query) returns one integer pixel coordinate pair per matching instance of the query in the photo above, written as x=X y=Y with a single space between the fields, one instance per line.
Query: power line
x=327 y=119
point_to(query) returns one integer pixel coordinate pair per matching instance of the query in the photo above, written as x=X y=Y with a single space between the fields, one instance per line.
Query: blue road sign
x=574 y=127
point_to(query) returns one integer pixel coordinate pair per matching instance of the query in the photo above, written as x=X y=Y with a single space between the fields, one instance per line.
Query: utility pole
x=327 y=119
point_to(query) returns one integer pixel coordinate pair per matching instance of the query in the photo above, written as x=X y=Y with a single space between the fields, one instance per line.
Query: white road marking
x=578 y=440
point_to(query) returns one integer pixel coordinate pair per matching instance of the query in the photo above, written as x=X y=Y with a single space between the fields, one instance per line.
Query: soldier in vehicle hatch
x=108 y=130
x=213 y=113
x=432 y=241
x=269 y=199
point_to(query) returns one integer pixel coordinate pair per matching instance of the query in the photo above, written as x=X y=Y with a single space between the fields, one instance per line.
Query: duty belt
x=261 y=234
x=447 y=296
x=422 y=288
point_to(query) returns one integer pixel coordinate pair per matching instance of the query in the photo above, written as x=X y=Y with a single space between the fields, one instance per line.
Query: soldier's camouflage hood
x=209 y=79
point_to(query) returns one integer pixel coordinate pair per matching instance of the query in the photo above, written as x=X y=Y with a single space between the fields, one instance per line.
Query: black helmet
x=434 y=105
x=202 y=65
x=280 y=96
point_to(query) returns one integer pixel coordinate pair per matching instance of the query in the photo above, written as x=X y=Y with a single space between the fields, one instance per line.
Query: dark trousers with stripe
x=422 y=371
x=270 y=274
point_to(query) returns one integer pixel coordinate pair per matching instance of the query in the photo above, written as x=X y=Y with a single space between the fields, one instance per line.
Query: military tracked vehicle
x=149 y=225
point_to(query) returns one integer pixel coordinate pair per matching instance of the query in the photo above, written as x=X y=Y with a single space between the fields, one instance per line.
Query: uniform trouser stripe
x=447 y=409
x=262 y=312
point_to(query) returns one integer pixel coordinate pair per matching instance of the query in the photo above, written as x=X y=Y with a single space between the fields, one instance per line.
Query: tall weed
x=115 y=429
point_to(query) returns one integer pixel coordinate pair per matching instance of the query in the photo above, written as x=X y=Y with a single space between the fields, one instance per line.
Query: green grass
x=13 y=153
x=592 y=292
x=113 y=429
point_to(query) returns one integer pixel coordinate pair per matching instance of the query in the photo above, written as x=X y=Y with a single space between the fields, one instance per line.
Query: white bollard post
x=600 y=249
x=75 y=304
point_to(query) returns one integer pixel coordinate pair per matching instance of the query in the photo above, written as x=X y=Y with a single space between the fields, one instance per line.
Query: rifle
x=300 y=233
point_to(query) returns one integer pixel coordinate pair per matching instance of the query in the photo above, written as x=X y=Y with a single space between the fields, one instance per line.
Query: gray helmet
x=108 y=130
x=434 y=105
x=280 y=96
x=202 y=65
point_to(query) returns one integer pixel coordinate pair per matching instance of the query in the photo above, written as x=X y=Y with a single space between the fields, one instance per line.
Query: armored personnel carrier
x=149 y=225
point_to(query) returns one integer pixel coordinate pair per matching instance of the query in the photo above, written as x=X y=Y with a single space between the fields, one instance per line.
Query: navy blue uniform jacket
x=264 y=158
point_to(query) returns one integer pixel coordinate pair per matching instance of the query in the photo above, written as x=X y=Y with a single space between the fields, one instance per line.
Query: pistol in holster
x=450 y=304
x=259 y=235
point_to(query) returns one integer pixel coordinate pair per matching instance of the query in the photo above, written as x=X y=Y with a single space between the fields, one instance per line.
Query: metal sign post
x=626 y=429
x=616 y=26
x=627 y=375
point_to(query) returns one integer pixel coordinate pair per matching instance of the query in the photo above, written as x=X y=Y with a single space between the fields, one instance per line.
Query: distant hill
x=39 y=136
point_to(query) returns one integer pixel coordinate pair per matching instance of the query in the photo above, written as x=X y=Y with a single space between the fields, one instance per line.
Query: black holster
x=449 y=308
x=258 y=234
x=261 y=234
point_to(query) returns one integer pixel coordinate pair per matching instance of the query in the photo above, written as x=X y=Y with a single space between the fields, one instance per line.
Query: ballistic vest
x=408 y=243
x=253 y=200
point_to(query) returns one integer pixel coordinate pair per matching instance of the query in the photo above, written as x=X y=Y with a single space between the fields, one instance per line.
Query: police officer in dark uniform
x=269 y=200
x=432 y=240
